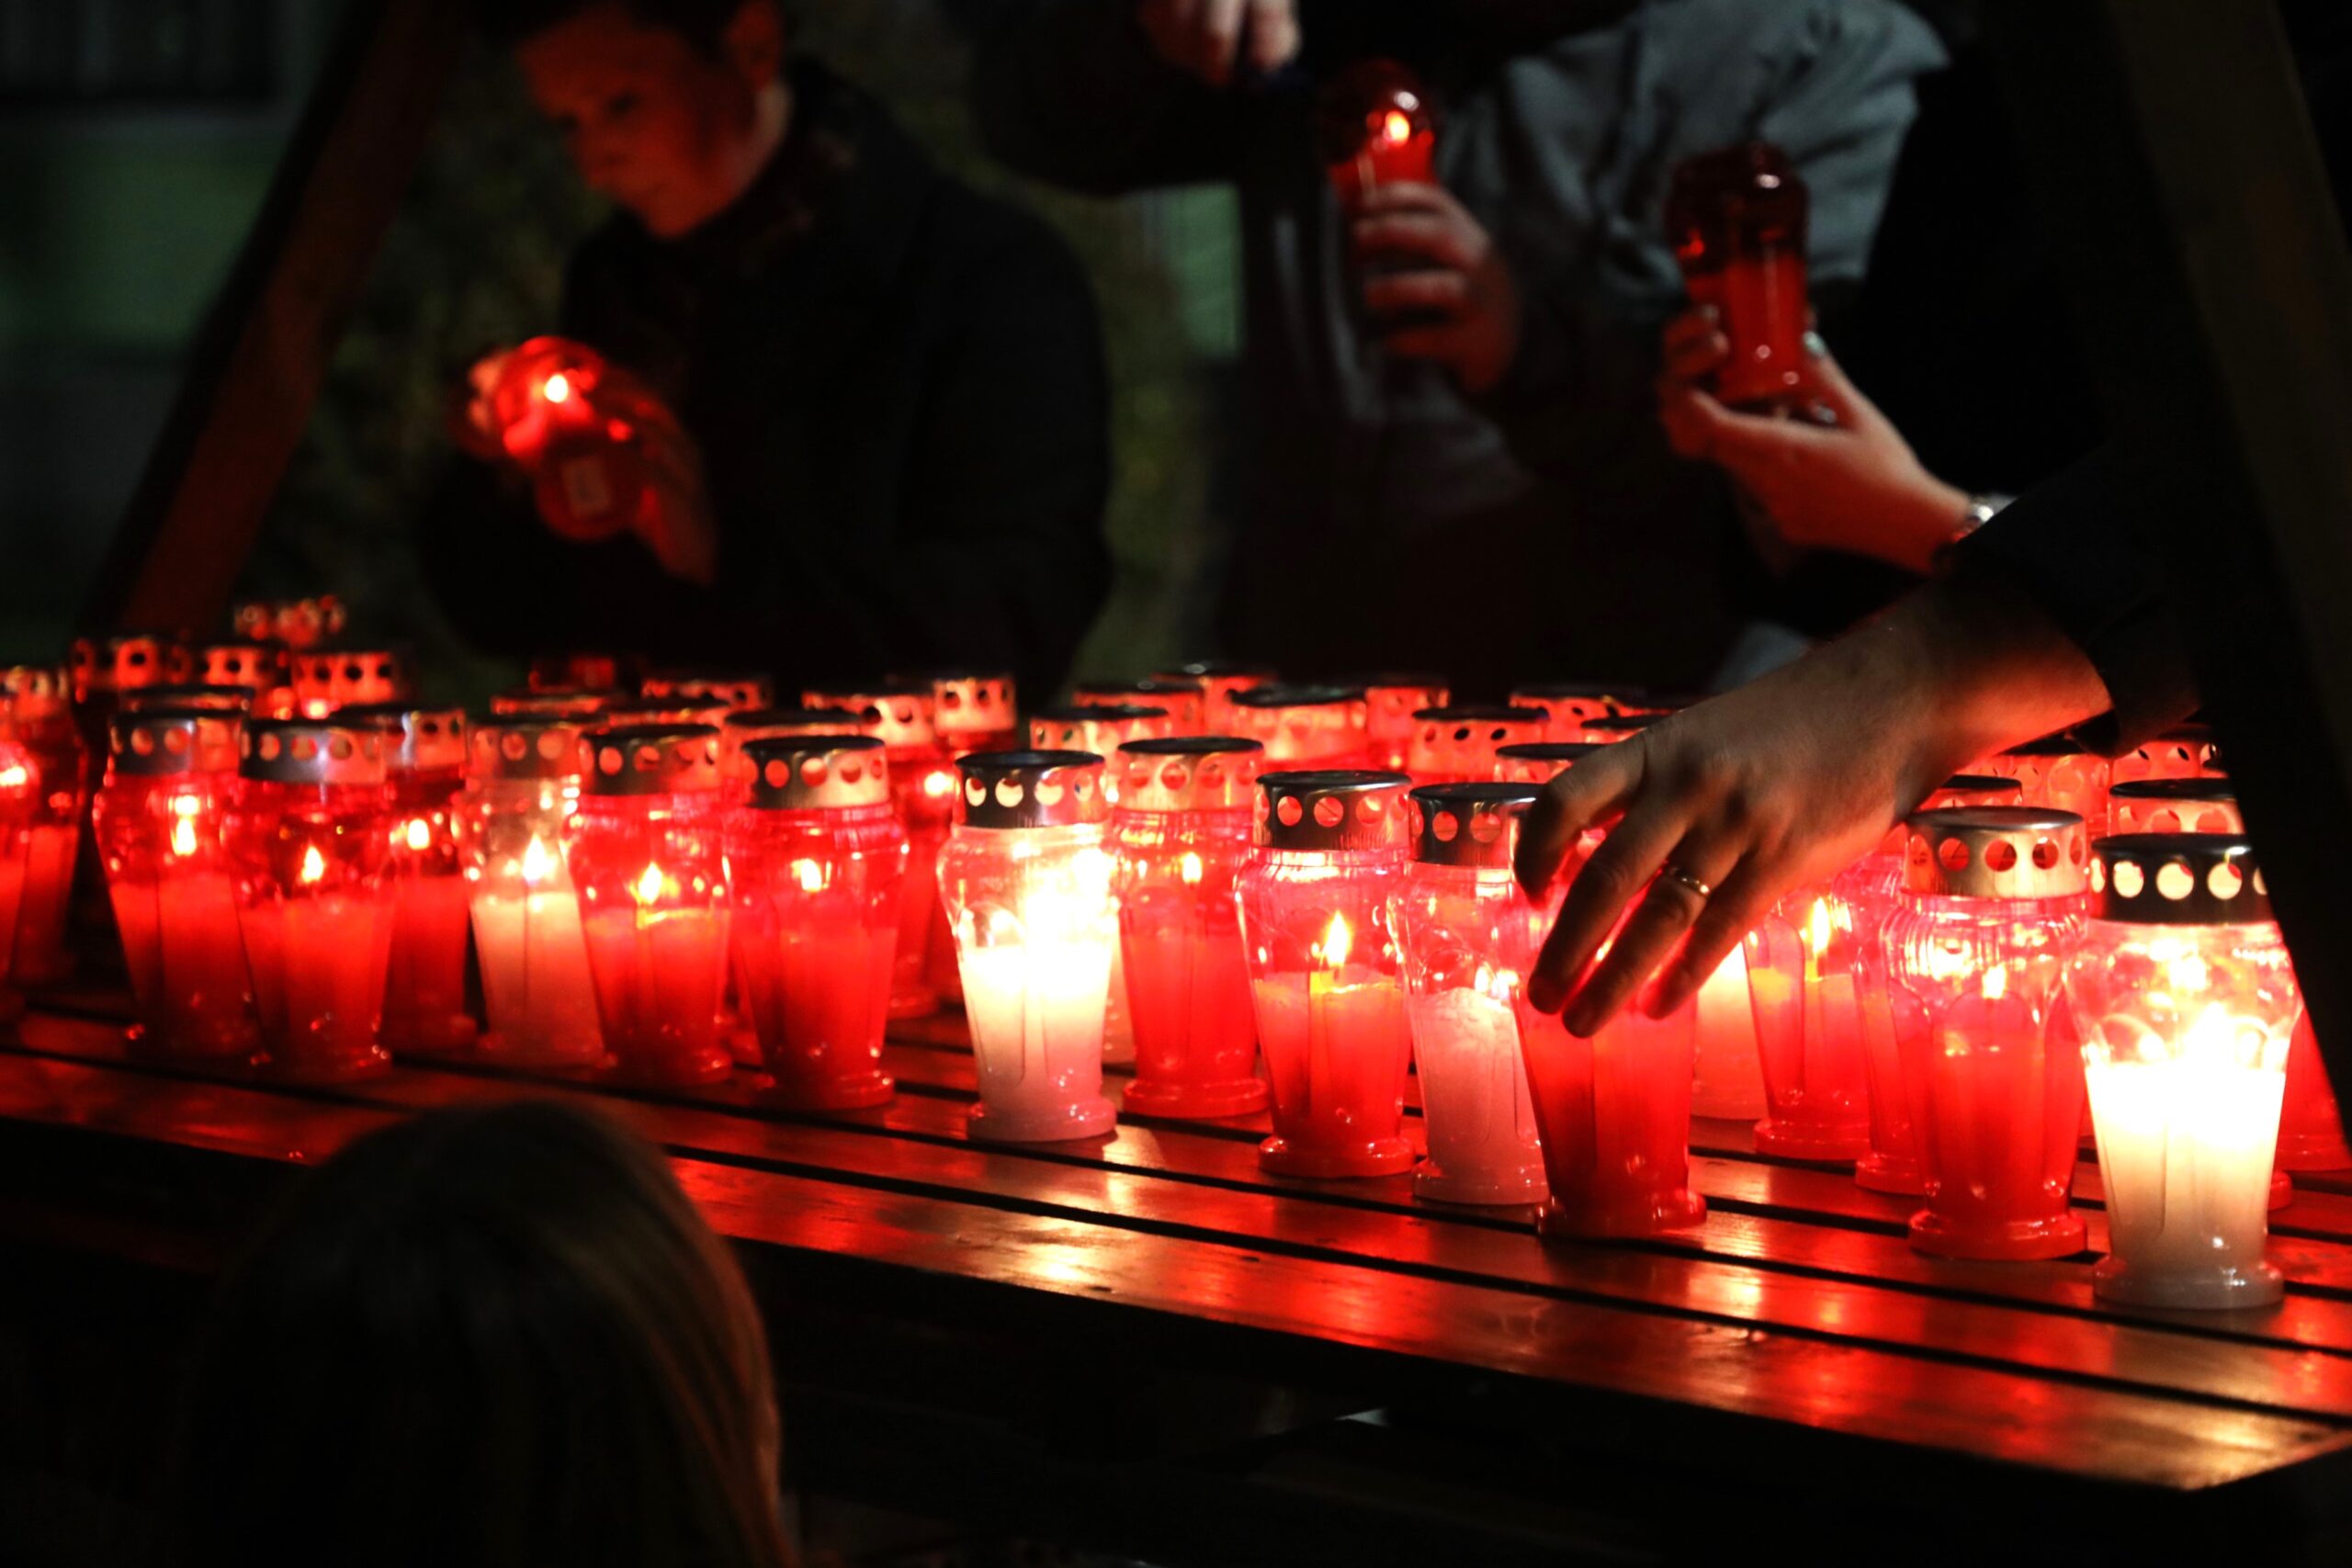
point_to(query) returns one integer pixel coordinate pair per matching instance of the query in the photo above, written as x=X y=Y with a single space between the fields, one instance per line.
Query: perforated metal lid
x=193 y=698
x=312 y=751
x=1100 y=728
x=360 y=674
x=35 y=691
x=2181 y=879
x=2203 y=805
x=422 y=740
x=2062 y=744
x=1997 y=852
x=1473 y=825
x=257 y=665
x=649 y=759
x=127 y=659
x=552 y=701
x=525 y=747
x=970 y=702
x=1031 y=789
x=727 y=688
x=904 y=712
x=1974 y=789
x=1536 y=762
x=816 y=772
x=167 y=742
x=1337 y=808
x=1189 y=772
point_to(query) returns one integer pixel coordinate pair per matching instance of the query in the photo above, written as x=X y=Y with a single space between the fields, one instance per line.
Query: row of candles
x=1135 y=887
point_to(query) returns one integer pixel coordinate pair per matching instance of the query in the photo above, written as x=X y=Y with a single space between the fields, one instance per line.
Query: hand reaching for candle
x=1207 y=38
x=1722 y=808
x=1460 y=307
x=1853 y=486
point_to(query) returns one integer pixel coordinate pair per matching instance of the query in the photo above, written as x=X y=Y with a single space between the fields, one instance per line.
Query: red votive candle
x=1181 y=700
x=576 y=704
x=1027 y=881
x=1736 y=218
x=157 y=822
x=1568 y=706
x=731 y=689
x=2054 y=772
x=1305 y=728
x=1805 y=975
x=293 y=622
x=265 y=669
x=326 y=682
x=1392 y=700
x=817 y=863
x=424 y=991
x=522 y=788
x=565 y=416
x=974 y=711
x=747 y=724
x=1994 y=902
x=923 y=786
x=1459 y=745
x=45 y=725
x=1376 y=126
x=1219 y=683
x=1326 y=980
x=645 y=852
x=1181 y=832
x=1460 y=922
x=309 y=842
x=2181 y=805
x=2183 y=751
x=193 y=697
x=19 y=799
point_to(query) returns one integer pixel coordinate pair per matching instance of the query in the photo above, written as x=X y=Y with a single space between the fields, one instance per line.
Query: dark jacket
x=898 y=389
x=1392 y=521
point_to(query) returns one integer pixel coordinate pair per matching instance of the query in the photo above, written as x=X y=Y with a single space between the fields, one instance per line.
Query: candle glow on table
x=157 y=822
x=1325 y=978
x=904 y=715
x=2185 y=1001
x=1026 y=882
x=2311 y=1126
x=1459 y=917
x=644 y=851
x=817 y=863
x=424 y=993
x=522 y=789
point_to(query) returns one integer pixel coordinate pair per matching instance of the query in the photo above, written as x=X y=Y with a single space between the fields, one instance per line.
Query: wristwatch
x=1980 y=510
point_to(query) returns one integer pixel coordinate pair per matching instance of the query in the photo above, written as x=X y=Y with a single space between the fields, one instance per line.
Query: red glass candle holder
x=1326 y=980
x=1219 y=683
x=576 y=704
x=1460 y=922
x=1392 y=702
x=293 y=622
x=645 y=852
x=2196 y=805
x=1736 y=218
x=2185 y=1001
x=2311 y=1127
x=1805 y=974
x=157 y=822
x=102 y=668
x=1181 y=700
x=46 y=727
x=538 y=999
x=1305 y=728
x=731 y=688
x=816 y=862
x=265 y=669
x=922 y=784
x=424 y=992
x=1375 y=126
x=309 y=842
x=2183 y=751
x=974 y=711
x=19 y=800
x=327 y=682
x=1727 y=1068
x=1458 y=745
x=747 y=724
x=677 y=708
x=1181 y=832
x=1568 y=706
x=567 y=418
x=2054 y=772
x=1993 y=906
x=1026 y=882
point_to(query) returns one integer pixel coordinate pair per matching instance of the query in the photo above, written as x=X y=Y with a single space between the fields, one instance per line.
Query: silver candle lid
x=1336 y=809
x=1189 y=772
x=1473 y=825
x=1031 y=789
x=1100 y=727
x=577 y=702
x=198 y=697
x=422 y=740
x=1446 y=735
x=2181 y=879
x=525 y=747
x=255 y=665
x=312 y=751
x=167 y=742
x=2174 y=806
x=727 y=688
x=649 y=759
x=365 y=674
x=35 y=691
x=1996 y=851
x=816 y=772
x=126 y=659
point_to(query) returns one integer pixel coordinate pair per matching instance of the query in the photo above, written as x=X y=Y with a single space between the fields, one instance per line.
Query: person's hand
x=1782 y=783
x=1458 y=304
x=1854 y=486
x=1207 y=38
x=472 y=423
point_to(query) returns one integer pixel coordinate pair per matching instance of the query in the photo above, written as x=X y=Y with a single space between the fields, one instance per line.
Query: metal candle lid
x=2174 y=806
x=727 y=688
x=525 y=747
x=1974 y=789
x=1303 y=722
x=1101 y=728
x=1609 y=694
x=1536 y=762
x=35 y=691
x=1441 y=730
x=298 y=623
x=163 y=742
x=196 y=698
x=1401 y=693
x=1473 y=825
x=2062 y=744
x=1189 y=772
x=255 y=665
x=312 y=752
x=2181 y=879
x=421 y=740
x=965 y=702
x=1339 y=808
x=816 y=772
x=747 y=724
x=1182 y=697
x=905 y=714
x=550 y=702
x=133 y=658
x=371 y=675
x=663 y=710
x=1224 y=670
x=2184 y=745
x=649 y=759
x=1031 y=789
x=1997 y=852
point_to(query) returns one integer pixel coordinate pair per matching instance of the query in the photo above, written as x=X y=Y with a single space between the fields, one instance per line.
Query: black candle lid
x=1473 y=825
x=2181 y=879
x=1336 y=809
x=1031 y=789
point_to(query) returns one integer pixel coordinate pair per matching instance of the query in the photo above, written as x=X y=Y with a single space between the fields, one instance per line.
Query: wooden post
x=2213 y=286
x=262 y=355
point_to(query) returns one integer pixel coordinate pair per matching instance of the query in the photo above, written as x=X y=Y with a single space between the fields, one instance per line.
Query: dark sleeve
x=2076 y=548
x=1070 y=91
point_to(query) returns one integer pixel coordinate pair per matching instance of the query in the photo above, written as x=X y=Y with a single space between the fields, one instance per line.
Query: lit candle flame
x=315 y=865
x=14 y=776
x=557 y=388
x=1817 y=928
x=649 y=885
x=537 y=863
x=420 y=834
x=1337 y=941
x=812 y=875
x=183 y=837
x=1398 y=127
x=1191 y=870
x=938 y=783
x=1996 y=983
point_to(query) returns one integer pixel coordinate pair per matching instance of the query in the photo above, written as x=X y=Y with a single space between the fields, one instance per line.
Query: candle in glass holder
x=1568 y=706
x=1180 y=831
x=1459 y=918
x=1326 y=980
x=567 y=418
x=1026 y=880
x=2057 y=771
x=522 y=787
x=1804 y=980
x=733 y=689
x=1305 y=728
x=817 y=860
x=1736 y=218
x=1992 y=905
x=48 y=728
x=295 y=623
x=1181 y=700
x=326 y=681
x=157 y=822
x=675 y=709
x=923 y=785
x=747 y=724
x=1375 y=126
x=2183 y=751
x=424 y=992
x=265 y=669
x=2185 y=1001
x=973 y=710
x=1459 y=745
x=102 y=668
x=1219 y=681
x=1392 y=701
x=578 y=704
x=645 y=851
x=2180 y=804
x=19 y=799
x=192 y=697
x=308 y=836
